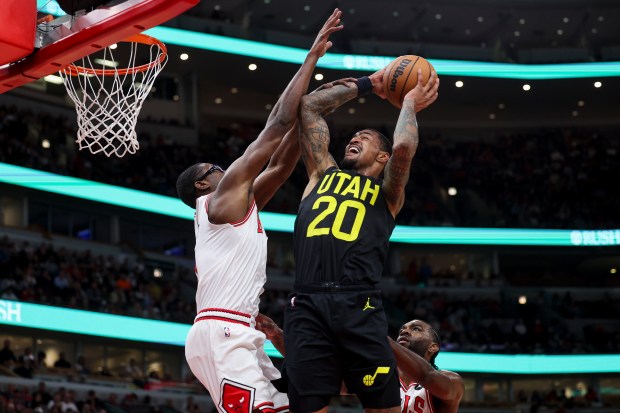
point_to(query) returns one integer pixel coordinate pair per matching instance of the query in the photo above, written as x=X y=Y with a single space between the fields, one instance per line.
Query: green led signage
x=153 y=331
x=164 y=205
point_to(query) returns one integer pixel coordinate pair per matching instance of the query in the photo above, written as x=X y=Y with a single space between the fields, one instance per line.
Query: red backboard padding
x=19 y=19
x=142 y=15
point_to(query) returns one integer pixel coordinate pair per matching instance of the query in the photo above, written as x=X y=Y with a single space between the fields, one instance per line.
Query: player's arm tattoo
x=314 y=131
x=406 y=139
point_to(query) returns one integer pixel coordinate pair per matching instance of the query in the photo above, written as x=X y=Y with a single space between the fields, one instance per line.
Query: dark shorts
x=336 y=337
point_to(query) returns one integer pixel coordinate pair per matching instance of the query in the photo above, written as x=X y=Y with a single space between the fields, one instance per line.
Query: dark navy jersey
x=342 y=230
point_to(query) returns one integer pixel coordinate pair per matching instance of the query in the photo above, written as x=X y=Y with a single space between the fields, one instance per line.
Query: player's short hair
x=384 y=143
x=185 y=184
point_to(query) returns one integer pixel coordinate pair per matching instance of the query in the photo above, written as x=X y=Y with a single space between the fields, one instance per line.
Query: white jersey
x=415 y=399
x=223 y=349
x=230 y=262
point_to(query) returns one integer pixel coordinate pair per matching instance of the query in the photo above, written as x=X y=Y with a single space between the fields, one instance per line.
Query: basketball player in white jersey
x=223 y=348
x=423 y=387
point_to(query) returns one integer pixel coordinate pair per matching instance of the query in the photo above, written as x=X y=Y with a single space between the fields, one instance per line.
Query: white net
x=109 y=100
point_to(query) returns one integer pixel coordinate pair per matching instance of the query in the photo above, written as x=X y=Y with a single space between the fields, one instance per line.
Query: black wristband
x=364 y=85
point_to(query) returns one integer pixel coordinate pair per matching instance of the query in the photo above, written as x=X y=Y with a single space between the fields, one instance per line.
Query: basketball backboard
x=50 y=46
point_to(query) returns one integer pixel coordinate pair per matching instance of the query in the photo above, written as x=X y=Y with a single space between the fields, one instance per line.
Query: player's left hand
x=424 y=95
x=377 y=83
x=267 y=326
x=321 y=43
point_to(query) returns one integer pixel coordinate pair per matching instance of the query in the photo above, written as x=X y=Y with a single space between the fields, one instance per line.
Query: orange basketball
x=401 y=75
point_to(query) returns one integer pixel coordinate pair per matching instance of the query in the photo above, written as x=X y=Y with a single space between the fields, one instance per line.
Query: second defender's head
x=198 y=180
x=368 y=150
x=419 y=337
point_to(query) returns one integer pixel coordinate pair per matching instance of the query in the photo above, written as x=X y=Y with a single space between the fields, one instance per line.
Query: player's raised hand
x=377 y=83
x=424 y=95
x=322 y=43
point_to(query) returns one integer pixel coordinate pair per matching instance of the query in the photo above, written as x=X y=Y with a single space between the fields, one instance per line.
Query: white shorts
x=229 y=359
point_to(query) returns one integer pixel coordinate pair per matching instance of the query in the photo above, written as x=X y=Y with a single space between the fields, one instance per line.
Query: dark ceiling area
x=506 y=31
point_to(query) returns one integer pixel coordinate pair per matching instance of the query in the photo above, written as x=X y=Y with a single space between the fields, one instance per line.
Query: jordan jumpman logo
x=367 y=306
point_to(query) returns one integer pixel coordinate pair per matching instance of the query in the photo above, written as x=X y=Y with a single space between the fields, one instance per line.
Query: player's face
x=212 y=174
x=416 y=336
x=362 y=150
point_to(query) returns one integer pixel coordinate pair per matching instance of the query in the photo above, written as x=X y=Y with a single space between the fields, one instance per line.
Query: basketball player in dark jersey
x=424 y=388
x=335 y=327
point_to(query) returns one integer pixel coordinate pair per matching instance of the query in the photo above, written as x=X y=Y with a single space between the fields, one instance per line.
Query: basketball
x=368 y=380
x=401 y=75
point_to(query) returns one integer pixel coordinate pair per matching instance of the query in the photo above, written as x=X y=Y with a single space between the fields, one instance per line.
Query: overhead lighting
x=218 y=101
x=526 y=87
x=522 y=300
x=459 y=83
x=175 y=98
x=517 y=33
x=597 y=84
x=217 y=7
x=318 y=76
x=106 y=62
x=361 y=100
x=613 y=271
x=594 y=31
x=560 y=32
x=57 y=80
x=158 y=273
x=307 y=8
x=521 y=21
x=501 y=106
x=351 y=111
x=575 y=113
x=581 y=103
x=252 y=66
x=480 y=19
x=268 y=106
x=45 y=143
x=565 y=19
x=492 y=116
x=395 y=13
x=351 y=11
x=601 y=18
x=113 y=46
x=289 y=20
x=438 y=16
x=452 y=191
x=234 y=90
x=184 y=56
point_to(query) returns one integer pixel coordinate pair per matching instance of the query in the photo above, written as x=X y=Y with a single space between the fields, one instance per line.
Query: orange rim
x=75 y=70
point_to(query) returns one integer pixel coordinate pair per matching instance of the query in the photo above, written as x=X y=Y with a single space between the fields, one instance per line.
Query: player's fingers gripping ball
x=401 y=75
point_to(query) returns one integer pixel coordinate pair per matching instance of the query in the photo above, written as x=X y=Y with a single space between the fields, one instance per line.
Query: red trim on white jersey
x=238 y=223
x=429 y=399
x=222 y=314
x=247 y=216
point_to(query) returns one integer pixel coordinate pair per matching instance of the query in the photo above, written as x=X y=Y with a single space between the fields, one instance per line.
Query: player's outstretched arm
x=406 y=142
x=314 y=137
x=234 y=194
x=279 y=169
x=444 y=385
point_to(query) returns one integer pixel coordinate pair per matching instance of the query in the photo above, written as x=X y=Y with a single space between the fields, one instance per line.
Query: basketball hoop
x=108 y=101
